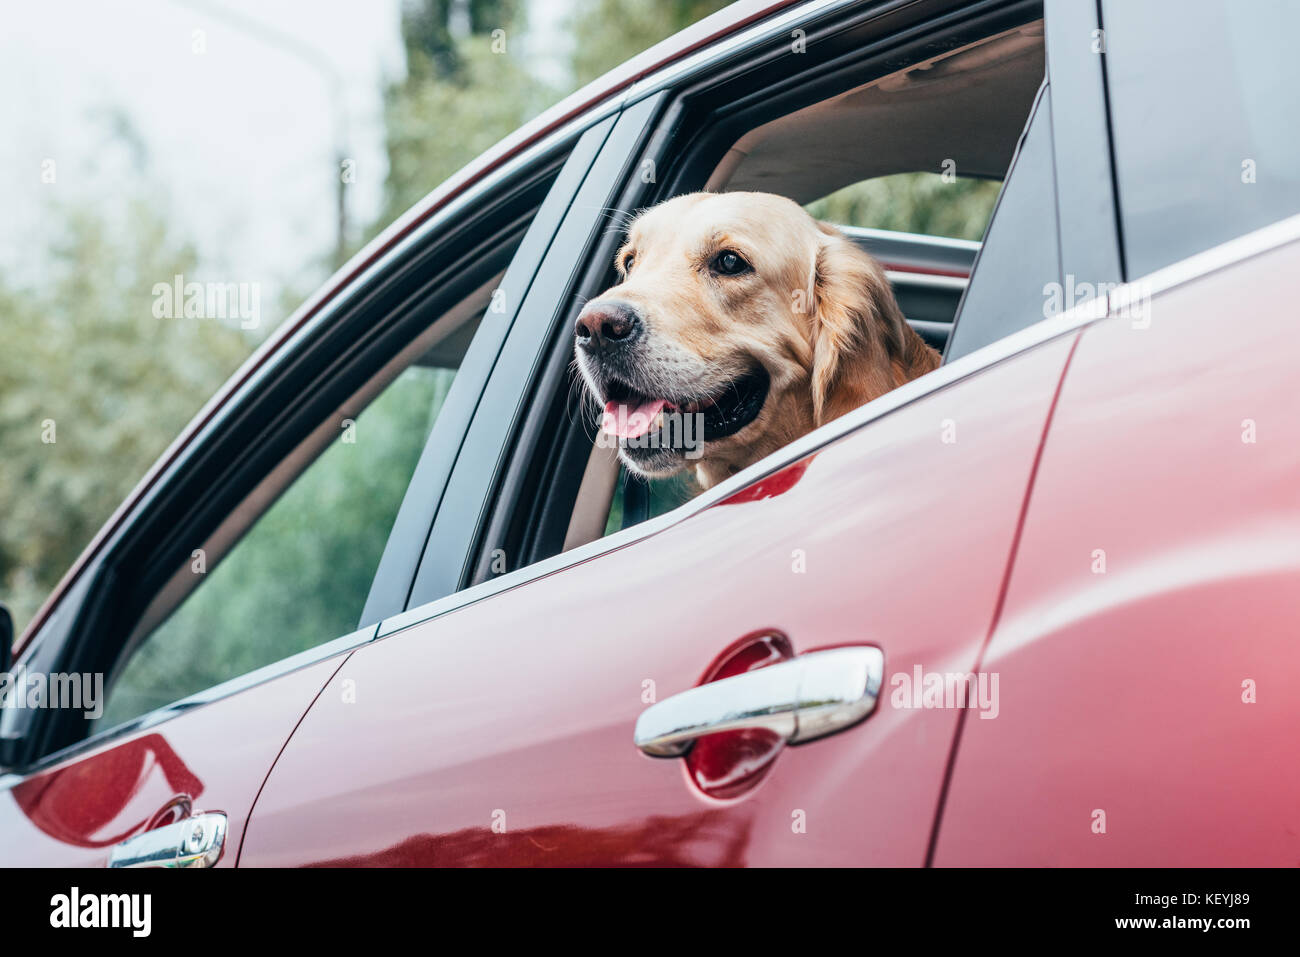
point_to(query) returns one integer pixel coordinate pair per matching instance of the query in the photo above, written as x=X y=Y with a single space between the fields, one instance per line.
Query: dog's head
x=738 y=324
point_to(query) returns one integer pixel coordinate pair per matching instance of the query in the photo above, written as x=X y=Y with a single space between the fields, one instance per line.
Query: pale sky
x=239 y=137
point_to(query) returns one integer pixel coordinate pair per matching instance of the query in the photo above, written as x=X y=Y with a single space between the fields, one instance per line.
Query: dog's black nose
x=606 y=324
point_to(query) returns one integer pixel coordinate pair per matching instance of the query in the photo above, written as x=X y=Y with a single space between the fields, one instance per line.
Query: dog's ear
x=862 y=346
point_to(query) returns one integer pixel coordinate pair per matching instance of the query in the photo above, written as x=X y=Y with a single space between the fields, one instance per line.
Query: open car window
x=853 y=145
x=963 y=113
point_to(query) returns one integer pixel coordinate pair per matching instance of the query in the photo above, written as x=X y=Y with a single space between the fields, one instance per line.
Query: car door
x=499 y=729
x=495 y=725
x=514 y=715
x=201 y=768
x=1148 y=640
x=1147 y=647
x=206 y=670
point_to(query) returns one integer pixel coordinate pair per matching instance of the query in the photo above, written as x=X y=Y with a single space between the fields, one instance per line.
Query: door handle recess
x=192 y=842
x=804 y=698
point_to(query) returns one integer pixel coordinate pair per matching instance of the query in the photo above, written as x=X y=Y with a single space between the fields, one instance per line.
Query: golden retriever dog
x=739 y=323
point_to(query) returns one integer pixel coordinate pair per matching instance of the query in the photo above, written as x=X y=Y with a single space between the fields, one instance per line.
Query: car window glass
x=1203 y=121
x=301 y=573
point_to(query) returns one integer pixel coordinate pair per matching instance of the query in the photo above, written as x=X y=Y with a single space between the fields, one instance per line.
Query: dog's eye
x=727 y=263
x=628 y=260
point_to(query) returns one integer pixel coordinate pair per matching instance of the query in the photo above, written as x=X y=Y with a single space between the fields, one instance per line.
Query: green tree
x=301 y=574
x=913 y=203
x=608 y=32
x=87 y=365
x=459 y=96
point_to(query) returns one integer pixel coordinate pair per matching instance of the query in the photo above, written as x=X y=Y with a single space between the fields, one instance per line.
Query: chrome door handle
x=804 y=698
x=193 y=842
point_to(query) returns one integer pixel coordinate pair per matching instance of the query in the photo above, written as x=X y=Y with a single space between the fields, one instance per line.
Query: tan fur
x=816 y=311
x=864 y=347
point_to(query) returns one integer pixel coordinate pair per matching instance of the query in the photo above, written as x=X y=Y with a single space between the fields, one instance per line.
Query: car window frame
x=1087 y=207
x=997 y=265
x=415 y=531
x=92 y=605
x=446 y=567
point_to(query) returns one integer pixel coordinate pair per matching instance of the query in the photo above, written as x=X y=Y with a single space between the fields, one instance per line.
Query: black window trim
x=412 y=530
x=479 y=468
x=1086 y=201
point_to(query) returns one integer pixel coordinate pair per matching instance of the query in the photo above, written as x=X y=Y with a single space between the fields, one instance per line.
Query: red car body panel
x=213 y=758
x=1126 y=691
x=501 y=732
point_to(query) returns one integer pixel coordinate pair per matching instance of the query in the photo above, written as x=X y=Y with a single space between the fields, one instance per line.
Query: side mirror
x=6 y=638
x=6 y=660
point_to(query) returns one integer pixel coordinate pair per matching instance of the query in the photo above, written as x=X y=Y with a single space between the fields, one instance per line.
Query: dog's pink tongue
x=630 y=421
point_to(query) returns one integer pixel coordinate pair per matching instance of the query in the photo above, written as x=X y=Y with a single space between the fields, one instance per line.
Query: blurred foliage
x=427 y=37
x=608 y=32
x=914 y=203
x=82 y=349
x=458 y=97
x=462 y=94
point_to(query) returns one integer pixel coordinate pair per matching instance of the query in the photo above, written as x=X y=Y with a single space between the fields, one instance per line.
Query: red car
x=1039 y=606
